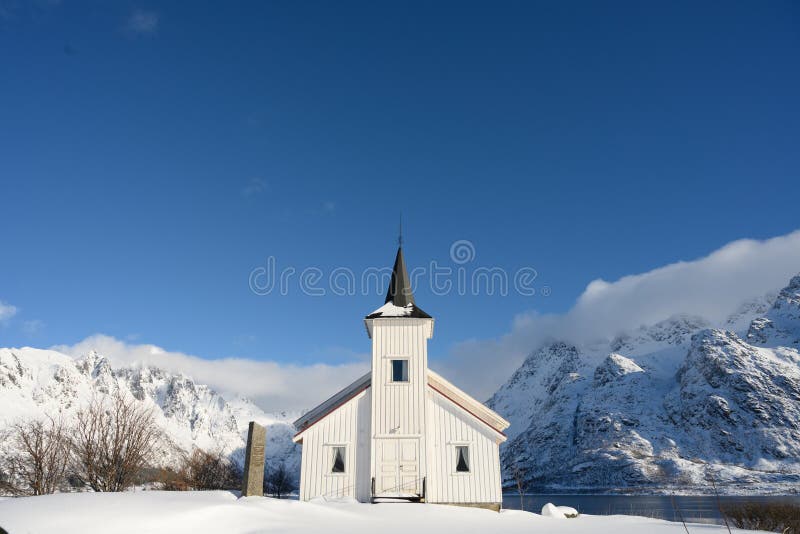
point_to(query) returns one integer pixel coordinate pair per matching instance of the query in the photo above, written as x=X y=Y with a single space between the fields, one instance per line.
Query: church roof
x=435 y=381
x=399 y=296
x=315 y=414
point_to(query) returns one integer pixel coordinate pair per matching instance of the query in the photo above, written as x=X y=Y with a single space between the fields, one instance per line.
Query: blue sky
x=151 y=156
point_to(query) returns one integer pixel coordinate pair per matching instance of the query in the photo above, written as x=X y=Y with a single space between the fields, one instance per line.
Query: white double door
x=397 y=465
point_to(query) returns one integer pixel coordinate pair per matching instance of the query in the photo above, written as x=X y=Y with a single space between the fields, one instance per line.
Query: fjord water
x=693 y=508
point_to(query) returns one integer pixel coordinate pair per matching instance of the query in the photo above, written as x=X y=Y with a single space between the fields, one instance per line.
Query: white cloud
x=142 y=21
x=273 y=386
x=7 y=311
x=32 y=327
x=711 y=287
x=254 y=187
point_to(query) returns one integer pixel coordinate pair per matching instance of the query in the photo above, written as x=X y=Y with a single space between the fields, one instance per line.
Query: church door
x=398 y=468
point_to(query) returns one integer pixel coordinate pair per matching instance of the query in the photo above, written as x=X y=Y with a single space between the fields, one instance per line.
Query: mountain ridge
x=665 y=406
x=38 y=382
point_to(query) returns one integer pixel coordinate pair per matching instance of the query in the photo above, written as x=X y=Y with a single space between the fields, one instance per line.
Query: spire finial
x=400 y=232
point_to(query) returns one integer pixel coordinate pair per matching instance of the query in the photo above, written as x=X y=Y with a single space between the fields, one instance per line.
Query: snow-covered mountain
x=664 y=406
x=35 y=383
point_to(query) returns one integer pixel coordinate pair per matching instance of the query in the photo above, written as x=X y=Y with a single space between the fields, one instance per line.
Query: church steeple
x=399 y=292
x=399 y=296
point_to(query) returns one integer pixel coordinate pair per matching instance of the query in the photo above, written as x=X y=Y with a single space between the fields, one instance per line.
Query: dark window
x=338 y=460
x=462 y=459
x=399 y=370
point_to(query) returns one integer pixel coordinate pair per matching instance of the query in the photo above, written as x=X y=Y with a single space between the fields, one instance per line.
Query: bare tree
x=710 y=478
x=114 y=439
x=278 y=481
x=39 y=457
x=518 y=474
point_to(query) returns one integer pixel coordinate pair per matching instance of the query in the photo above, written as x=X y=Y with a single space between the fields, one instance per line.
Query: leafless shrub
x=204 y=470
x=770 y=516
x=213 y=471
x=39 y=457
x=114 y=439
x=171 y=480
x=278 y=481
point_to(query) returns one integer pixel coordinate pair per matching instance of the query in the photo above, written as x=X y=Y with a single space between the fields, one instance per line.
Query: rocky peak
x=94 y=365
x=787 y=305
x=613 y=367
x=675 y=330
x=780 y=326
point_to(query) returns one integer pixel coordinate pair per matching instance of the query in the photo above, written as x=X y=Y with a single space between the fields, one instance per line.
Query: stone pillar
x=253 y=482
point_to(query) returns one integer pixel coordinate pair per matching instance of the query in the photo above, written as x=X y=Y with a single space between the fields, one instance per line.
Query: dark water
x=695 y=509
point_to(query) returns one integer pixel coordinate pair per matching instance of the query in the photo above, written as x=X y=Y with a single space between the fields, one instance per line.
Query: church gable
x=472 y=407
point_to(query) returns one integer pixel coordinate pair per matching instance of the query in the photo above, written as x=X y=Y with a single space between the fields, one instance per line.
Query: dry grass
x=773 y=517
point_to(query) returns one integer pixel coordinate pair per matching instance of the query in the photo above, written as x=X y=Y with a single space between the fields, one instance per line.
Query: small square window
x=399 y=370
x=462 y=459
x=338 y=460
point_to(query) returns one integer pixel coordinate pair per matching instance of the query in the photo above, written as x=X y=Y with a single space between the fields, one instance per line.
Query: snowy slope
x=662 y=406
x=35 y=383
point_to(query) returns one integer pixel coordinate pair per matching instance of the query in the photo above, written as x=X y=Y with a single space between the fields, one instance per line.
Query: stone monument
x=253 y=481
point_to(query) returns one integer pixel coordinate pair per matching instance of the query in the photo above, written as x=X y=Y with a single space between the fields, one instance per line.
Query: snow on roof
x=391 y=310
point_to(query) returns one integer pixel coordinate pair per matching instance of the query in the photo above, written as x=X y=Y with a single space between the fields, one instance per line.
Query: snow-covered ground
x=220 y=511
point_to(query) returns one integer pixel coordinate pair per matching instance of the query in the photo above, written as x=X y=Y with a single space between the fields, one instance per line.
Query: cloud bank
x=272 y=386
x=711 y=287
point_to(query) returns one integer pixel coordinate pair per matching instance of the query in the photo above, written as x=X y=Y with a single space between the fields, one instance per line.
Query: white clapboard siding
x=399 y=408
x=346 y=426
x=448 y=426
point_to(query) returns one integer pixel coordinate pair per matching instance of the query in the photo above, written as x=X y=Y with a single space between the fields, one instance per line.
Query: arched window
x=338 y=460
x=462 y=459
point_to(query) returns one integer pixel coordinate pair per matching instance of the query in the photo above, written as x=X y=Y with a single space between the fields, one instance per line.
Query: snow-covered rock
x=559 y=512
x=568 y=511
x=664 y=406
x=35 y=383
x=780 y=326
x=551 y=510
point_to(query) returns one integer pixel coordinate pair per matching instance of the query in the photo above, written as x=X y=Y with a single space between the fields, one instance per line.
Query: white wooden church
x=402 y=431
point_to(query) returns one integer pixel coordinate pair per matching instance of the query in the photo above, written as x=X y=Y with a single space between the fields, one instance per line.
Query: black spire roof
x=399 y=294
